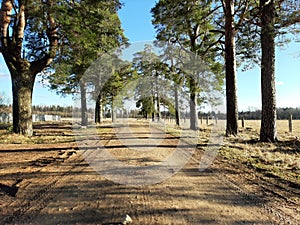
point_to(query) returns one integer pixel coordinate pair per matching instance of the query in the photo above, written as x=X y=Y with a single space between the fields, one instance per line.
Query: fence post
x=291 y=123
x=207 y=120
x=243 y=122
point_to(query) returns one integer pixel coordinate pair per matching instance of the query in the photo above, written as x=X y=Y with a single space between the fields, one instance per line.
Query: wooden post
x=216 y=120
x=207 y=120
x=243 y=122
x=291 y=123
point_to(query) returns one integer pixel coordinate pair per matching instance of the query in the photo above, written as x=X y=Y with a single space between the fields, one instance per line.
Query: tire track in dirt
x=28 y=207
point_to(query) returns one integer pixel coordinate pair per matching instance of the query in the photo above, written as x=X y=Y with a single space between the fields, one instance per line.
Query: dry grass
x=50 y=133
x=44 y=133
x=282 y=128
x=281 y=159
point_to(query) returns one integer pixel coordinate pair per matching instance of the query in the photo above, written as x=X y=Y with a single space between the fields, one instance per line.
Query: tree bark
x=22 y=88
x=153 y=108
x=98 y=110
x=230 y=64
x=193 y=106
x=84 y=115
x=177 y=113
x=268 y=130
x=158 y=107
x=113 y=116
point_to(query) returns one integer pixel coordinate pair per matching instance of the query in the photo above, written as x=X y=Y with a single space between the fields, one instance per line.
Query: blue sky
x=136 y=21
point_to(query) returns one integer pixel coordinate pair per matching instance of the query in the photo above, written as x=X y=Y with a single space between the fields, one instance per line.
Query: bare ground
x=53 y=184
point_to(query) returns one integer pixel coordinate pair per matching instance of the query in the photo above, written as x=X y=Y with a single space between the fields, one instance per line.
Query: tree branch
x=242 y=17
x=213 y=44
x=5 y=16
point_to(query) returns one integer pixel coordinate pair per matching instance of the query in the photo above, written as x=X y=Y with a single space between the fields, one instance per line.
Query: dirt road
x=58 y=186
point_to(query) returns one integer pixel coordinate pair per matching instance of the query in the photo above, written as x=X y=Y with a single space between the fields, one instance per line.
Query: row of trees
x=56 y=39
x=237 y=30
x=60 y=40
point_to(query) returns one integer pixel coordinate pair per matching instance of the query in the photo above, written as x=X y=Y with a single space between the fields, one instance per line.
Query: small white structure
x=42 y=117
x=8 y=118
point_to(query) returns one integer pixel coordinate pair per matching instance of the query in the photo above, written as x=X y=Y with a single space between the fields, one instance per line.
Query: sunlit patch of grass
x=51 y=133
x=45 y=139
x=280 y=159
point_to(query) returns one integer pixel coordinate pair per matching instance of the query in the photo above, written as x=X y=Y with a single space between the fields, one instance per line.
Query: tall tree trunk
x=157 y=99
x=158 y=108
x=22 y=88
x=153 y=108
x=177 y=113
x=84 y=115
x=193 y=106
x=98 y=110
x=113 y=116
x=230 y=62
x=268 y=92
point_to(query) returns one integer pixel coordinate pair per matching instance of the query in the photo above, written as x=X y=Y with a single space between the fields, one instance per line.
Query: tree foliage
x=189 y=23
x=92 y=28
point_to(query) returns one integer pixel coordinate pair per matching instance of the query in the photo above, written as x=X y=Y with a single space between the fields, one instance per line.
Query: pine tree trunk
x=22 y=88
x=158 y=108
x=193 y=106
x=157 y=100
x=84 y=115
x=177 y=114
x=193 y=112
x=230 y=62
x=113 y=116
x=153 y=104
x=268 y=92
x=98 y=110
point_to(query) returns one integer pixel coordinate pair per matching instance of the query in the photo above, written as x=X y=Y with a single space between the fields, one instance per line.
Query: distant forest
x=282 y=114
x=66 y=111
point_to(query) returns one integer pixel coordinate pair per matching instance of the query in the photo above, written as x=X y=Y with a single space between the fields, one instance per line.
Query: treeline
x=67 y=111
x=282 y=114
x=63 y=111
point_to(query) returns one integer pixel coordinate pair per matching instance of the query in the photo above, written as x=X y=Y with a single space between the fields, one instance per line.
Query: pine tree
x=189 y=23
x=101 y=32
x=276 y=19
x=29 y=37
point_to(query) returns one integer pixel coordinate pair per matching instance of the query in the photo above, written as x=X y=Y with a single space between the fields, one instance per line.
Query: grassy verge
x=49 y=133
x=279 y=160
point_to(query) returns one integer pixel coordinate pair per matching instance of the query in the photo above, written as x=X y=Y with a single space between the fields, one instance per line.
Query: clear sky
x=136 y=21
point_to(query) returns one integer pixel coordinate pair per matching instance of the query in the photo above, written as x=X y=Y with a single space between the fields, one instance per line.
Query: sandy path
x=82 y=196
